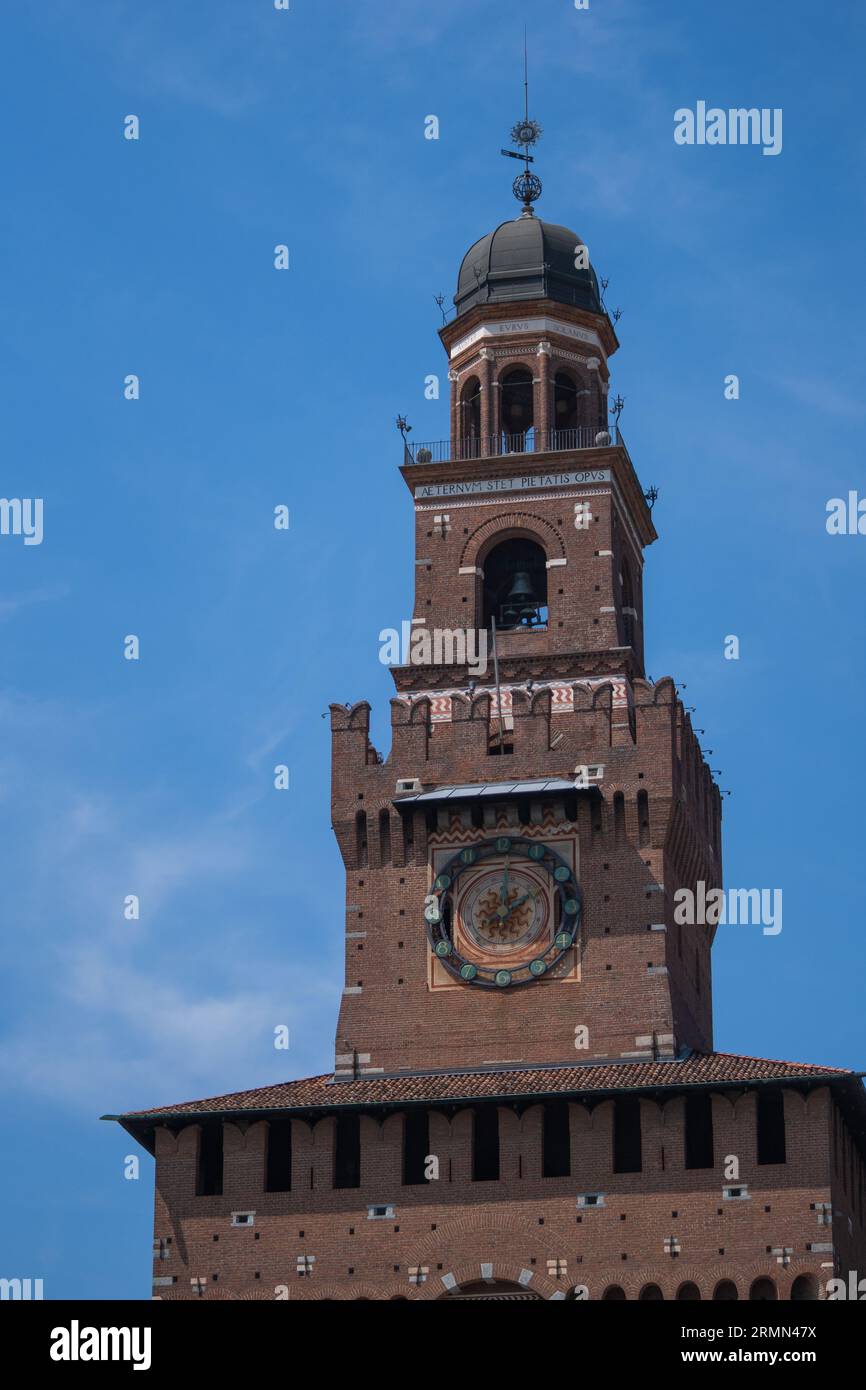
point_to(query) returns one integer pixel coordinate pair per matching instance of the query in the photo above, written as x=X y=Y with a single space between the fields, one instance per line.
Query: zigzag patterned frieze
x=441 y=708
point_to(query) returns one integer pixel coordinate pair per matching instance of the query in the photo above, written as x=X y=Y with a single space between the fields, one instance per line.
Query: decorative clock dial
x=503 y=912
x=502 y=907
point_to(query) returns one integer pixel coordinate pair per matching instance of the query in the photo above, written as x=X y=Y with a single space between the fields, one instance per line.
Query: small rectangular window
x=736 y=1194
x=590 y=1199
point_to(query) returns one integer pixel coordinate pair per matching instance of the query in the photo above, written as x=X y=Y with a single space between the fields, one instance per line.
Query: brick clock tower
x=525 y=1101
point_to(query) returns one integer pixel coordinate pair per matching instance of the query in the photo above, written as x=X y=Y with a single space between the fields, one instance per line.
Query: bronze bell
x=520 y=593
x=521 y=602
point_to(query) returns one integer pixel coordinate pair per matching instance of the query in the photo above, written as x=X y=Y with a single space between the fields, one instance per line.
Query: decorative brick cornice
x=517 y=670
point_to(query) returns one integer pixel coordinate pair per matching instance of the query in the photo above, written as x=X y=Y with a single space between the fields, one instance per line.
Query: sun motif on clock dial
x=503 y=908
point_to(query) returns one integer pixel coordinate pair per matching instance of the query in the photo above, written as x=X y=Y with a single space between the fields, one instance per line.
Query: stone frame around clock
x=564 y=847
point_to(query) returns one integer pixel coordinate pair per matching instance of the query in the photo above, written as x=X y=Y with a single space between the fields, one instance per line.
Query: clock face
x=503 y=908
x=503 y=912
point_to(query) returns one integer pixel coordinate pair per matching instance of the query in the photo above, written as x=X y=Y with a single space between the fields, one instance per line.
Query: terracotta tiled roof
x=320 y=1092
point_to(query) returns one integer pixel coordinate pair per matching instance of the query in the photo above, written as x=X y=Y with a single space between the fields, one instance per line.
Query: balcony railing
x=498 y=446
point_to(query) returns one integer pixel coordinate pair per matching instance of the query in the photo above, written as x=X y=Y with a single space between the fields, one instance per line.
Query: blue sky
x=259 y=388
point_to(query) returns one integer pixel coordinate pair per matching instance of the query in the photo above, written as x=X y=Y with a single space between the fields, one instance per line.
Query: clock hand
x=502 y=911
x=533 y=893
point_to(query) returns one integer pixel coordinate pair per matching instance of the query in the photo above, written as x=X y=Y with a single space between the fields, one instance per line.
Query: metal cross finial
x=526 y=133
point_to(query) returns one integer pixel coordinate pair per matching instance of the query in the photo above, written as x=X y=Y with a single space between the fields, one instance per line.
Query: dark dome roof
x=526 y=259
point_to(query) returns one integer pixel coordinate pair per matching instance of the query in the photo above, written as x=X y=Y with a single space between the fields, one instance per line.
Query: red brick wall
x=519 y=1223
x=396 y=1021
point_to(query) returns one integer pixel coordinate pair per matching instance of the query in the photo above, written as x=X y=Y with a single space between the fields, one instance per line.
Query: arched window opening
x=643 y=823
x=725 y=1292
x=489 y=1290
x=569 y=412
x=384 y=837
x=470 y=419
x=613 y=1293
x=619 y=818
x=650 y=1293
x=500 y=744
x=517 y=411
x=361 y=839
x=763 y=1291
x=804 y=1288
x=688 y=1292
x=627 y=604
x=515 y=585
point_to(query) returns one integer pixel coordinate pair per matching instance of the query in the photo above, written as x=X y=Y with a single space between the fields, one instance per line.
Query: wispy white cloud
x=113 y=1035
x=12 y=604
x=222 y=63
x=816 y=393
x=118 y=1013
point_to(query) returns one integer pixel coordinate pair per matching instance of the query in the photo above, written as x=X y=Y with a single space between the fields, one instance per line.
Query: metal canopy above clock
x=474 y=791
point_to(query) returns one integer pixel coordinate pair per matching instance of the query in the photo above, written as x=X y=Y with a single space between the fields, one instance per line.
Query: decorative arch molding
x=167 y=1140
x=240 y=1135
x=573 y=366
x=308 y=1291
x=358 y=715
x=518 y=357
x=484 y=1233
x=603 y=695
x=541 y=701
x=498 y=1272
x=705 y=1278
x=662 y=692
x=503 y=528
x=419 y=710
x=481 y=707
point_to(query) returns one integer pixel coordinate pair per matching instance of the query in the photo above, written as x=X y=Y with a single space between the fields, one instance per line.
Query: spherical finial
x=527 y=189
